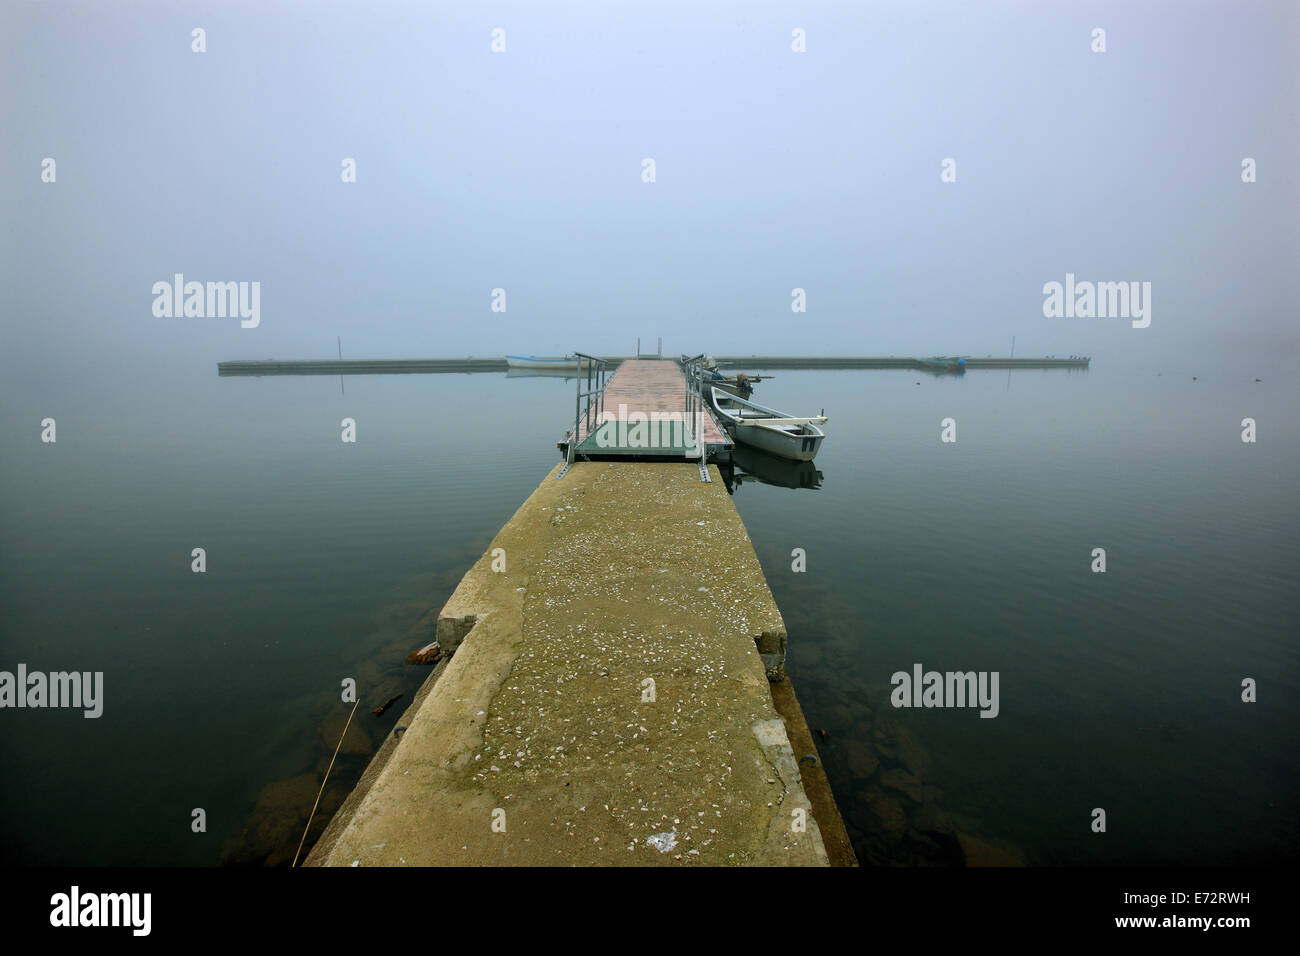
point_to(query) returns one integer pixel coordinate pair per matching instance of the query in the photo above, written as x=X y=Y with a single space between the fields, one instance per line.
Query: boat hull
x=790 y=447
x=792 y=442
x=538 y=362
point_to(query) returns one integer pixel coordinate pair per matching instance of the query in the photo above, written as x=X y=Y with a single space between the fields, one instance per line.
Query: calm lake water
x=1118 y=690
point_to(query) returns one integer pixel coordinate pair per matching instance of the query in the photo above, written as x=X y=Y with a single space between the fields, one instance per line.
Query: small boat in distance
x=758 y=426
x=537 y=361
x=942 y=363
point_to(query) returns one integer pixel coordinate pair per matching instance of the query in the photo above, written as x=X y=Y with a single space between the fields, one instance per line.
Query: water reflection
x=750 y=465
x=567 y=374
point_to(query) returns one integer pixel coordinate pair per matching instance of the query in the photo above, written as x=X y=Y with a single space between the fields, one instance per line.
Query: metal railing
x=593 y=373
x=697 y=379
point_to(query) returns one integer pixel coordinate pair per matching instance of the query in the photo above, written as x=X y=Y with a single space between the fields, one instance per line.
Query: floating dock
x=429 y=366
x=447 y=366
x=647 y=410
x=763 y=362
x=614 y=695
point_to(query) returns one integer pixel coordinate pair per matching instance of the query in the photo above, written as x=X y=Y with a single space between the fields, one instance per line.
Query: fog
x=523 y=170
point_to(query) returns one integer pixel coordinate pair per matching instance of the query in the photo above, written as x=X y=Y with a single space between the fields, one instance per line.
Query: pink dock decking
x=645 y=387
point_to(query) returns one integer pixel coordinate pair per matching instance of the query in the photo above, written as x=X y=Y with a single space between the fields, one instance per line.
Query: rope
x=323 y=782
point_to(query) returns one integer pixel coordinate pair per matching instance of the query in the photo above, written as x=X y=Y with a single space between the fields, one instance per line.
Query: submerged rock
x=934 y=848
x=929 y=819
x=862 y=762
x=887 y=813
x=275 y=827
x=887 y=726
x=902 y=781
x=355 y=743
x=911 y=754
x=979 y=853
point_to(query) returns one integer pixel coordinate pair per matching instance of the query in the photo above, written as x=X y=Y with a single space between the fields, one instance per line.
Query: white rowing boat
x=776 y=433
x=537 y=361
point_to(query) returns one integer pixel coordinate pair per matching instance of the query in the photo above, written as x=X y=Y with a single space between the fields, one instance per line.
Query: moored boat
x=543 y=362
x=798 y=439
x=943 y=364
x=738 y=384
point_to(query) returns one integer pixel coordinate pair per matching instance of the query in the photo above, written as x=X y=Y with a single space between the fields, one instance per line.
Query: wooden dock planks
x=645 y=387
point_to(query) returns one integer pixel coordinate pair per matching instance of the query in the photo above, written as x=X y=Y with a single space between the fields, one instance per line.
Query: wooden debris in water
x=429 y=654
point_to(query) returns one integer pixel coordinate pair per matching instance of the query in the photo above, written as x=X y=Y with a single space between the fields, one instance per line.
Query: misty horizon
x=774 y=171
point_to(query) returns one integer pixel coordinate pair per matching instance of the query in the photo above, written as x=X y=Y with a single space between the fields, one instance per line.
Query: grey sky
x=522 y=170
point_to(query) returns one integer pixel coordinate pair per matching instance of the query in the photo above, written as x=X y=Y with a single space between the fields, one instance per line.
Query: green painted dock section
x=646 y=412
x=607 y=700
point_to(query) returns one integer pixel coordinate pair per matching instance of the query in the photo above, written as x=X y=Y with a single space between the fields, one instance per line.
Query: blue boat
x=942 y=364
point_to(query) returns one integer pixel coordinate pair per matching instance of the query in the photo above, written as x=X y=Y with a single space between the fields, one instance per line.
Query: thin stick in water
x=323 y=782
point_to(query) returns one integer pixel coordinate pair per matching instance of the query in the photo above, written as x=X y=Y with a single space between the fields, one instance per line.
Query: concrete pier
x=607 y=698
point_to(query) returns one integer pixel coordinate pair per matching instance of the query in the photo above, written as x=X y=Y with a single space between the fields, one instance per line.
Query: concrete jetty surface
x=608 y=698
